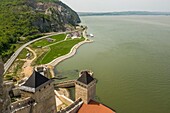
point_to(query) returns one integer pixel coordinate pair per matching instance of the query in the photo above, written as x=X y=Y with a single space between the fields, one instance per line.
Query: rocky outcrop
x=4 y=97
x=54 y=16
x=1 y=86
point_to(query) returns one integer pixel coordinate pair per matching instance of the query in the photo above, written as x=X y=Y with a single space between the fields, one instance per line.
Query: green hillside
x=47 y=0
x=15 y=21
x=20 y=18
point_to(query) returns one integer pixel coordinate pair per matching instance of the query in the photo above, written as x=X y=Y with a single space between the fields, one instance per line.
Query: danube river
x=130 y=58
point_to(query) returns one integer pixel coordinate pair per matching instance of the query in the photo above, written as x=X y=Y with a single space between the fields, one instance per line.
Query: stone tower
x=85 y=87
x=41 y=89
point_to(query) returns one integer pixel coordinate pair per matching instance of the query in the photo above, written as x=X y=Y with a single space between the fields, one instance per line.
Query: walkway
x=72 y=51
x=26 y=68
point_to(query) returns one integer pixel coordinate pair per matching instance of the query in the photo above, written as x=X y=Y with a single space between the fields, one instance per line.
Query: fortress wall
x=81 y=92
x=73 y=108
x=45 y=99
x=70 y=83
x=21 y=103
x=64 y=99
x=25 y=109
x=91 y=91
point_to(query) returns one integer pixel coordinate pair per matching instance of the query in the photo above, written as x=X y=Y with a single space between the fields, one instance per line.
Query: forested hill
x=27 y=18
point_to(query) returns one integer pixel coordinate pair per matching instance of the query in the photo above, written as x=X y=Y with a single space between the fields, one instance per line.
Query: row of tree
x=15 y=21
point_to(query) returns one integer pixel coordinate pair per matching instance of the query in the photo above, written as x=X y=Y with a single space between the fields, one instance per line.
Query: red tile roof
x=94 y=107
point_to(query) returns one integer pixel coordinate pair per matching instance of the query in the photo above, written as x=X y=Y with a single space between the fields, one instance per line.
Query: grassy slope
x=59 y=50
x=23 y=54
x=44 y=42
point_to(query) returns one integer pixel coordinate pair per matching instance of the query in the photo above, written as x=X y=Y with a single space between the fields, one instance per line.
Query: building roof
x=85 y=78
x=35 y=81
x=95 y=107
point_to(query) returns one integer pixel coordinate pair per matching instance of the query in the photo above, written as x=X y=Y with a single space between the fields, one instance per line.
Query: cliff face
x=54 y=16
x=1 y=87
x=4 y=97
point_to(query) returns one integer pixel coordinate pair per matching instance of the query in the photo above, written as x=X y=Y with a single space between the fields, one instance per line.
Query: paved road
x=14 y=56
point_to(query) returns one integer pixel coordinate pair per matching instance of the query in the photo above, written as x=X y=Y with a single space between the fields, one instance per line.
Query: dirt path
x=27 y=69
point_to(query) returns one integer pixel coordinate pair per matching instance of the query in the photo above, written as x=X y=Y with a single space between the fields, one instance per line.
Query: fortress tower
x=41 y=89
x=85 y=87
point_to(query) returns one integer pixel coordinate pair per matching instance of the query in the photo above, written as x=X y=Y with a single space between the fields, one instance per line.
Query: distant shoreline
x=124 y=13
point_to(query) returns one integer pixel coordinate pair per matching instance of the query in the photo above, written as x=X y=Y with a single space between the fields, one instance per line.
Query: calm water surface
x=131 y=60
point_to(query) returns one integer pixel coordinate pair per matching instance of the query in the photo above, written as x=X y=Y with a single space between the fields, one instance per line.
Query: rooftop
x=34 y=82
x=94 y=107
x=85 y=77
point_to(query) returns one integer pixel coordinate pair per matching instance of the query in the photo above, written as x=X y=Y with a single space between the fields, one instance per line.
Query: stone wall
x=22 y=106
x=73 y=108
x=63 y=98
x=25 y=94
x=26 y=109
x=85 y=92
x=81 y=92
x=65 y=84
x=91 y=91
x=45 y=99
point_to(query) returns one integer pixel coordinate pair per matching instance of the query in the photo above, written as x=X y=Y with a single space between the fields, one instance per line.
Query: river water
x=130 y=58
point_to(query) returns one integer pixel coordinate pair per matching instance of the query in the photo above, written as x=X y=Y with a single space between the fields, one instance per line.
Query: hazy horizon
x=121 y=11
x=119 y=6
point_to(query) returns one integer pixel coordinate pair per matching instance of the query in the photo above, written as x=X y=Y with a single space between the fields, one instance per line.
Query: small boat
x=91 y=35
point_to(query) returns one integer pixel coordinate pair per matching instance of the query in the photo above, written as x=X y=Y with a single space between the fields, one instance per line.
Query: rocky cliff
x=55 y=15
x=4 y=97
x=1 y=87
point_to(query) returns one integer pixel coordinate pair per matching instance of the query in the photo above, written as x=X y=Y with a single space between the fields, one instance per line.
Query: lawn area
x=59 y=49
x=37 y=61
x=23 y=54
x=44 y=42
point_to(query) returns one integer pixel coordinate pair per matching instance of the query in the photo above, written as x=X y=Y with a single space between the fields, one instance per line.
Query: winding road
x=14 y=56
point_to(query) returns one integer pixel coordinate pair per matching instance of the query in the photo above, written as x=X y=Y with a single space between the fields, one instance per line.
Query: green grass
x=23 y=54
x=16 y=70
x=44 y=42
x=59 y=49
x=37 y=62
